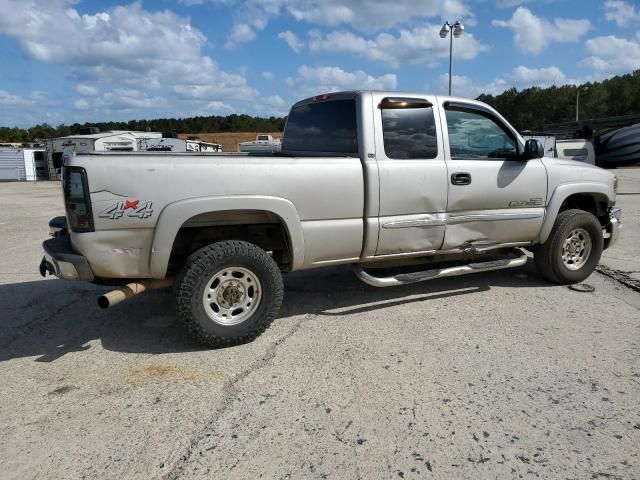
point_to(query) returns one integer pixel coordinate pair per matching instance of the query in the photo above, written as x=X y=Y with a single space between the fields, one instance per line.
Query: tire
x=223 y=278
x=582 y=252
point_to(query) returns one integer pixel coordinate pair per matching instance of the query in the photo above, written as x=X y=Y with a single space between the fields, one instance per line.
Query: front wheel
x=573 y=248
x=228 y=293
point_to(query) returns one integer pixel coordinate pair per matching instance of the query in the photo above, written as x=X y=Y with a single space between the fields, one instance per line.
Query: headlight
x=615 y=184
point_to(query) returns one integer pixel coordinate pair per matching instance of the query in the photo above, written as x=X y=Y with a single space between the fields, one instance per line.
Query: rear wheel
x=573 y=248
x=228 y=293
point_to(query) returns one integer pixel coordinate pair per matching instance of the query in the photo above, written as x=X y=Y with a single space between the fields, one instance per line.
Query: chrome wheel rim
x=576 y=249
x=232 y=295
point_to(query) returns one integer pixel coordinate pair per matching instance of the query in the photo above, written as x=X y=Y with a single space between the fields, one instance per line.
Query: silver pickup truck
x=373 y=179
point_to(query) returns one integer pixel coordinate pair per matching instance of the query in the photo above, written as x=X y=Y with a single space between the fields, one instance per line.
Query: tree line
x=532 y=108
x=212 y=124
x=527 y=109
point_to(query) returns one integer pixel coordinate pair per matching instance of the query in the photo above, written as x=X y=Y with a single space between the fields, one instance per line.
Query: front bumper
x=62 y=261
x=613 y=228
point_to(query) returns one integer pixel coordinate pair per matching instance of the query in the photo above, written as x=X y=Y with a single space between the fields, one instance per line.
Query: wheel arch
x=236 y=211
x=588 y=196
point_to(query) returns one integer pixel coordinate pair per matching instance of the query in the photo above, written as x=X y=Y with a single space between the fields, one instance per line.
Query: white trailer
x=178 y=145
x=111 y=141
x=22 y=164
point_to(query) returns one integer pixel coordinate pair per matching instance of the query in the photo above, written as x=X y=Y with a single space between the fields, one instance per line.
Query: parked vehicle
x=263 y=143
x=22 y=164
x=548 y=142
x=578 y=149
x=91 y=141
x=178 y=145
x=364 y=178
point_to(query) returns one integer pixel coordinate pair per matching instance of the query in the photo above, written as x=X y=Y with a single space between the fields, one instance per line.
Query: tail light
x=76 y=199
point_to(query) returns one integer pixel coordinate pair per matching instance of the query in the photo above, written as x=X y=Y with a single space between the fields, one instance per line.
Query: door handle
x=460 y=178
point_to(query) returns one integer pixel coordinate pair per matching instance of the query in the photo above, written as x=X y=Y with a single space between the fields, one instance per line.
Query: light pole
x=584 y=89
x=458 y=30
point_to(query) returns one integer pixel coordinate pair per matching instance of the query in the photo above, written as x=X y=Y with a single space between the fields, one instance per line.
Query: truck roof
x=346 y=94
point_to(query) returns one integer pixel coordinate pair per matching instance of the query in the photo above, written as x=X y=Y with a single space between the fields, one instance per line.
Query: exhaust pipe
x=118 y=295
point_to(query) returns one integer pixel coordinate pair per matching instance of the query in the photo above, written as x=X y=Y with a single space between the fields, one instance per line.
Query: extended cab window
x=328 y=127
x=474 y=135
x=409 y=133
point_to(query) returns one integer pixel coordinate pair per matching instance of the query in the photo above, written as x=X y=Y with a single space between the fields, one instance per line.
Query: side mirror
x=532 y=149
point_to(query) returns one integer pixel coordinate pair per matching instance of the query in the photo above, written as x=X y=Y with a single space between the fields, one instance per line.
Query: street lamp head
x=458 y=29
x=444 y=31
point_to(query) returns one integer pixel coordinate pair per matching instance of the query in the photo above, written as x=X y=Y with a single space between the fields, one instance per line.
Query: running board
x=409 y=278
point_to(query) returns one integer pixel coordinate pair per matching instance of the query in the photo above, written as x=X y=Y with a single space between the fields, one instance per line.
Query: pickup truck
x=374 y=179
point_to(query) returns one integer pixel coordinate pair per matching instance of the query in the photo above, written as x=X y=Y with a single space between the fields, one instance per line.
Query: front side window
x=409 y=133
x=328 y=127
x=473 y=135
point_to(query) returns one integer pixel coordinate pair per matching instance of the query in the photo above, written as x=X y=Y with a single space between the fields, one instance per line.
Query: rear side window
x=409 y=133
x=325 y=127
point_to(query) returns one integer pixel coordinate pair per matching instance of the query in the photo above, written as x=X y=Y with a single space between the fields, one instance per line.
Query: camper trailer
x=173 y=144
x=23 y=164
x=96 y=141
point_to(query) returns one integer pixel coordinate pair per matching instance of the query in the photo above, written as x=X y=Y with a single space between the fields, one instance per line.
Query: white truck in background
x=264 y=143
x=580 y=150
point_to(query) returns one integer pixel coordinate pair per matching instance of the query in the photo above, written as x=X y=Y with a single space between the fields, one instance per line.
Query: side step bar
x=409 y=278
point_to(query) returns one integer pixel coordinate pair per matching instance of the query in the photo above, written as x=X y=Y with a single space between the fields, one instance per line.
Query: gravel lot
x=496 y=375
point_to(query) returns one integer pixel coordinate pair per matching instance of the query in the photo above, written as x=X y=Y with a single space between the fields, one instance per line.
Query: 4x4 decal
x=133 y=208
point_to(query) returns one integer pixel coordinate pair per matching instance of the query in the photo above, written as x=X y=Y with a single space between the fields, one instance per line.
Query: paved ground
x=486 y=376
x=626 y=255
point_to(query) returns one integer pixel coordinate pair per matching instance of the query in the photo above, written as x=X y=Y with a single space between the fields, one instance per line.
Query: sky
x=66 y=61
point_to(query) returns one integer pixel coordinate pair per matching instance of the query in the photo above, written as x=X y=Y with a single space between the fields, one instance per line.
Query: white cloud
x=120 y=99
x=218 y=108
x=463 y=86
x=241 y=33
x=623 y=13
x=292 y=40
x=267 y=75
x=222 y=85
x=316 y=80
x=520 y=77
x=9 y=99
x=86 y=90
x=275 y=101
x=273 y=105
x=124 y=47
x=540 y=77
x=510 y=3
x=363 y=15
x=367 y=15
x=533 y=34
x=81 y=104
x=417 y=46
x=611 y=55
x=125 y=35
